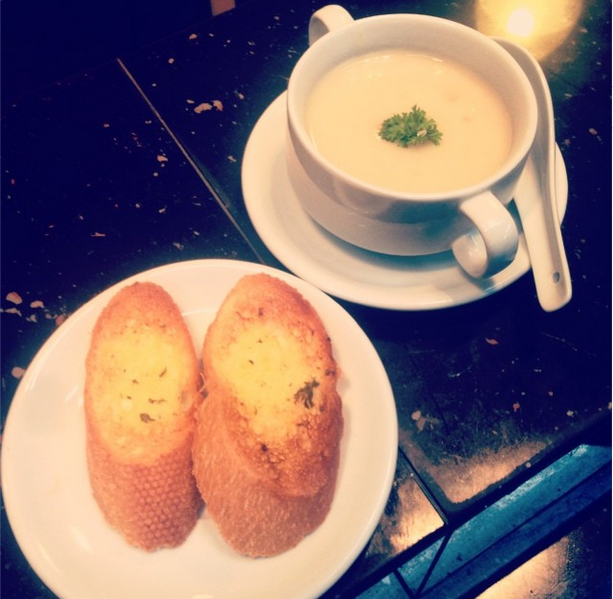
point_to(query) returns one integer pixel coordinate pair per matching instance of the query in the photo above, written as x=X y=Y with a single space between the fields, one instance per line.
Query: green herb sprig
x=410 y=129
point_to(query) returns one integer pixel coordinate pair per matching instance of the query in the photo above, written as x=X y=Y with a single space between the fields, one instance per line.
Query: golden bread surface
x=141 y=393
x=271 y=380
x=268 y=355
x=142 y=374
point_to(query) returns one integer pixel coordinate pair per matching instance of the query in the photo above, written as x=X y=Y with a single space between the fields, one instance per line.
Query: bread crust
x=253 y=518
x=267 y=442
x=141 y=392
x=153 y=506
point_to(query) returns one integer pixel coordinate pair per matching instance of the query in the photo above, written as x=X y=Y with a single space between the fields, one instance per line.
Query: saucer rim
x=265 y=145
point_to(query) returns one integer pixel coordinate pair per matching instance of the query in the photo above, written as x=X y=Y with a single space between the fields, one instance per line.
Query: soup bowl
x=470 y=219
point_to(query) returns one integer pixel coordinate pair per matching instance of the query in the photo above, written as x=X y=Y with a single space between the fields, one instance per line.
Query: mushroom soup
x=348 y=105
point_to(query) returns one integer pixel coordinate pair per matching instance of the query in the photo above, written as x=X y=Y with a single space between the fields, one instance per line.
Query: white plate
x=341 y=269
x=60 y=528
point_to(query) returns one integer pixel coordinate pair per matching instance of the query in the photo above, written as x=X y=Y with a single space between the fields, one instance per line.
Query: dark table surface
x=136 y=163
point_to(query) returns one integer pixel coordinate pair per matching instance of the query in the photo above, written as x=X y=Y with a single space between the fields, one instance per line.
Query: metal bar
x=514 y=528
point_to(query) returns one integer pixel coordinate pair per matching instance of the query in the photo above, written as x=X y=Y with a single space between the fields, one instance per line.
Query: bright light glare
x=521 y=22
x=541 y=26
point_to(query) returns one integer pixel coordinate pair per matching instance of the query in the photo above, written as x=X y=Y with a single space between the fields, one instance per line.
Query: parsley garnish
x=305 y=394
x=410 y=129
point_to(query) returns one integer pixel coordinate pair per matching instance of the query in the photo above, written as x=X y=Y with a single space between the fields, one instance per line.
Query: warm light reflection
x=541 y=577
x=417 y=518
x=539 y=25
x=463 y=478
x=413 y=519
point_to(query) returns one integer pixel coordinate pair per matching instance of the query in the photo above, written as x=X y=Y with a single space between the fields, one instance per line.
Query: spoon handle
x=539 y=216
x=547 y=255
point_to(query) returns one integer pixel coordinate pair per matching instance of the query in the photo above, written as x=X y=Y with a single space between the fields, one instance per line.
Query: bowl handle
x=491 y=243
x=327 y=19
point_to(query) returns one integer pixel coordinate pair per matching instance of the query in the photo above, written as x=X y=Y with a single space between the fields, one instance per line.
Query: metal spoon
x=539 y=216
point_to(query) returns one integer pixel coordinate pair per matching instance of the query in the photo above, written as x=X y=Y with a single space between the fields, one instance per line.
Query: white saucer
x=346 y=271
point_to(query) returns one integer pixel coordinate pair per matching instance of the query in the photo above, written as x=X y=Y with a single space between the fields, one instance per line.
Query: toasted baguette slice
x=141 y=393
x=267 y=442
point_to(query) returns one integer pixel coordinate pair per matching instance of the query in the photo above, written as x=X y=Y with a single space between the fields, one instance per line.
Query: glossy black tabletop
x=503 y=409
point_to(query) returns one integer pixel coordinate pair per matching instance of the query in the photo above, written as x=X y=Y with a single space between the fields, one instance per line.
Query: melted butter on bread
x=143 y=383
x=274 y=377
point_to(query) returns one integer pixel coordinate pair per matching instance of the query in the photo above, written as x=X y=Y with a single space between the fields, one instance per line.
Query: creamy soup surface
x=347 y=107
